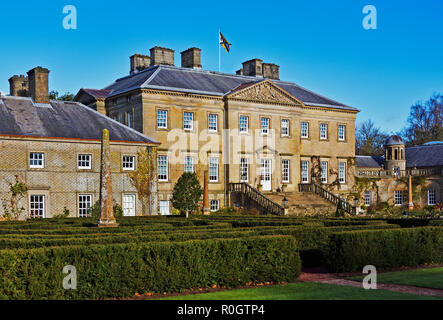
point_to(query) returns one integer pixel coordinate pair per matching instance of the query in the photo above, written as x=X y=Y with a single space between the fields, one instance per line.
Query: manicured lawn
x=427 y=278
x=302 y=291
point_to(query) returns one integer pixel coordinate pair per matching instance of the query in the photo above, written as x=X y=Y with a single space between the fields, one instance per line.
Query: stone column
x=206 y=209
x=106 y=218
x=410 y=204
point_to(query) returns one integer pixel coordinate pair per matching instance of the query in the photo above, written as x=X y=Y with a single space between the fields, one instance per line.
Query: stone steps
x=302 y=203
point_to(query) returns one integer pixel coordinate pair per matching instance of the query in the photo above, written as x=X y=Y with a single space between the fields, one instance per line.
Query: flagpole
x=218 y=50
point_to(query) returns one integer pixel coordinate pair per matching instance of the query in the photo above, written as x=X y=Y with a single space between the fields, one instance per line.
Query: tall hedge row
x=121 y=270
x=351 y=251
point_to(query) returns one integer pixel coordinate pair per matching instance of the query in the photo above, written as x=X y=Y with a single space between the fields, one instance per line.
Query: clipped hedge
x=351 y=251
x=107 y=271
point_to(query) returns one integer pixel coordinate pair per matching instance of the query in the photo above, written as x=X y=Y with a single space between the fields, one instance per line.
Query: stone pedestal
x=106 y=218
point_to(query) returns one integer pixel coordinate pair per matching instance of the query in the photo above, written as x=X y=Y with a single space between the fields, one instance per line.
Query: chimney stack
x=161 y=55
x=191 y=58
x=139 y=62
x=271 y=71
x=38 y=84
x=18 y=86
x=253 y=68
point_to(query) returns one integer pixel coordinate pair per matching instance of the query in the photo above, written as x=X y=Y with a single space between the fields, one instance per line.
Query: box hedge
x=351 y=251
x=121 y=270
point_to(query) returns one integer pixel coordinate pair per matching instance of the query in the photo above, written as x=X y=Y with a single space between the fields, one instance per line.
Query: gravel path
x=334 y=279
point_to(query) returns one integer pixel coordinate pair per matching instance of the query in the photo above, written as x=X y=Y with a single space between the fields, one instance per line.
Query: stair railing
x=263 y=203
x=327 y=195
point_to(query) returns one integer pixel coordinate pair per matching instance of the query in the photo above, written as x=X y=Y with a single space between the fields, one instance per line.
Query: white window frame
x=285 y=126
x=243 y=129
x=189 y=164
x=214 y=205
x=324 y=171
x=134 y=203
x=214 y=117
x=31 y=159
x=304 y=171
x=244 y=168
x=285 y=170
x=342 y=172
x=84 y=158
x=162 y=119
x=432 y=197
x=398 y=197
x=341 y=132
x=163 y=159
x=265 y=128
x=84 y=205
x=125 y=163
x=213 y=163
x=368 y=198
x=35 y=202
x=323 y=131
x=188 y=123
x=304 y=129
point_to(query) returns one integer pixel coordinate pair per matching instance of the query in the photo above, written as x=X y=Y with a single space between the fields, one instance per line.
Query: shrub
x=351 y=251
x=106 y=271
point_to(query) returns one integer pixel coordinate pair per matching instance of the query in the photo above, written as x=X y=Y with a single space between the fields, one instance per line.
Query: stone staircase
x=304 y=203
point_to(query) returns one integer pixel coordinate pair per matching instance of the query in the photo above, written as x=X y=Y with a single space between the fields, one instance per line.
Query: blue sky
x=320 y=45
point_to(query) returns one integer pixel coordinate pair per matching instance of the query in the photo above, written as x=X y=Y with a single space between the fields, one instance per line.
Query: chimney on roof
x=253 y=68
x=38 y=79
x=139 y=62
x=191 y=58
x=18 y=86
x=271 y=71
x=161 y=55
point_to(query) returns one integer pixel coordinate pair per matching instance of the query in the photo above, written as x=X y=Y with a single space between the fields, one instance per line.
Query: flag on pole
x=224 y=43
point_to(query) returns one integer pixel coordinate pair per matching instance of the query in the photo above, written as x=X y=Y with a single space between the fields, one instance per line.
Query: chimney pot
x=139 y=62
x=191 y=58
x=19 y=86
x=253 y=68
x=271 y=71
x=38 y=79
x=161 y=55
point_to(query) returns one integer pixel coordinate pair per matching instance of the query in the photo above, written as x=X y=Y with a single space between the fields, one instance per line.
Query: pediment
x=264 y=91
x=266 y=150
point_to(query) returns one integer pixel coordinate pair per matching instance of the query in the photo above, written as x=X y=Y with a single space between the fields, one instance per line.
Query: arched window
x=401 y=155
x=390 y=154
x=396 y=154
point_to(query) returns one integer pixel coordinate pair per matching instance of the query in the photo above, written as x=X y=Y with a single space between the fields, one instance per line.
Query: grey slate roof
x=22 y=117
x=173 y=78
x=369 y=161
x=424 y=156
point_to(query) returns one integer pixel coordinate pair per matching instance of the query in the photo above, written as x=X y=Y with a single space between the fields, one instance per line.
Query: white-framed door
x=266 y=174
x=164 y=208
x=129 y=205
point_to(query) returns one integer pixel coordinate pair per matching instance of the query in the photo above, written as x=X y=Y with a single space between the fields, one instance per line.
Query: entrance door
x=164 y=208
x=129 y=205
x=266 y=167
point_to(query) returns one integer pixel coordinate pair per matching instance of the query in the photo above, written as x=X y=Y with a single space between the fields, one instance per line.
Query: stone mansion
x=247 y=127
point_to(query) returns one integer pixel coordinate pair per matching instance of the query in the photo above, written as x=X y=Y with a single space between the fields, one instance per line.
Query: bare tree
x=425 y=122
x=369 y=140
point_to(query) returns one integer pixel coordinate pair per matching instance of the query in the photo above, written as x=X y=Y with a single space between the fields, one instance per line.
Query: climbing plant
x=11 y=201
